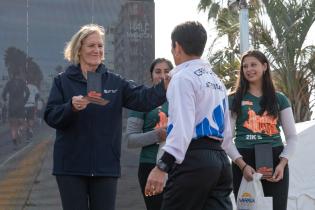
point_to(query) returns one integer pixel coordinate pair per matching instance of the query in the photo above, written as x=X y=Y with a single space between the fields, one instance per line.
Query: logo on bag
x=246 y=201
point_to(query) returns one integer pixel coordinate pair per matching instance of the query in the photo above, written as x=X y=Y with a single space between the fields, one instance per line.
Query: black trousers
x=202 y=182
x=151 y=202
x=277 y=190
x=87 y=193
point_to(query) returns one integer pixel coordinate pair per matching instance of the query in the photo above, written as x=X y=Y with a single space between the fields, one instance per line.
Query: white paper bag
x=251 y=195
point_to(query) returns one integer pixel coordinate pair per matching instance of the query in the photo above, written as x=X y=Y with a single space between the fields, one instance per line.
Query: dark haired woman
x=257 y=113
x=147 y=130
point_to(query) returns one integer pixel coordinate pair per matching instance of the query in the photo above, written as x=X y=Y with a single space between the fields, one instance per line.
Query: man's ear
x=178 y=49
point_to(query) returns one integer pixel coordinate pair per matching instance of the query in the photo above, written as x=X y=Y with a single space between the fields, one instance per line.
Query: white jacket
x=198 y=107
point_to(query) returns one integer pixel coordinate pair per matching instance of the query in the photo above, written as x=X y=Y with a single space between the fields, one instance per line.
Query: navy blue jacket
x=88 y=142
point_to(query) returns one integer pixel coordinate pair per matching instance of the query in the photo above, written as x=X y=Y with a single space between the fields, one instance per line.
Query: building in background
x=134 y=40
x=41 y=28
x=110 y=47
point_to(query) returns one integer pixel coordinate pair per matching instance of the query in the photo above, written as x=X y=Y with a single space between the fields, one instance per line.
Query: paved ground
x=26 y=182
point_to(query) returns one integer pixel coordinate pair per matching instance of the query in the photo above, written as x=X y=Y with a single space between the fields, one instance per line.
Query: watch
x=163 y=166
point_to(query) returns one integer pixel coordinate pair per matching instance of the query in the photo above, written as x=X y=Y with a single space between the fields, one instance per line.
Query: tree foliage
x=282 y=39
x=18 y=63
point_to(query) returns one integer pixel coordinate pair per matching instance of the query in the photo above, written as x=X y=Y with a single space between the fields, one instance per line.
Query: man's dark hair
x=192 y=36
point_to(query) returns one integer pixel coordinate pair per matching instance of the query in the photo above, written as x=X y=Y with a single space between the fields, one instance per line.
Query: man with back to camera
x=199 y=172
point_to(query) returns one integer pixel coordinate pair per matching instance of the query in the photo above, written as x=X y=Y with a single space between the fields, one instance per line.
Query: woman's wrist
x=240 y=163
x=243 y=168
x=158 y=133
x=161 y=134
x=283 y=161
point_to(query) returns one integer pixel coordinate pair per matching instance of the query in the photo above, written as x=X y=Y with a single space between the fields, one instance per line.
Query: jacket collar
x=191 y=64
x=74 y=72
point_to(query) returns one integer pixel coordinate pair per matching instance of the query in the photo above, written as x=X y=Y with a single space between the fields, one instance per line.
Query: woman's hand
x=246 y=169
x=248 y=172
x=278 y=174
x=162 y=134
x=166 y=81
x=79 y=103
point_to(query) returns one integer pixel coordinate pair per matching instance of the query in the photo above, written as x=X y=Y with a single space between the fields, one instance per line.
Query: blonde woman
x=88 y=136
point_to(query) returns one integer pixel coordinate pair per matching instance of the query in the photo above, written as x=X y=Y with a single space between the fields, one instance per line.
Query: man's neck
x=186 y=58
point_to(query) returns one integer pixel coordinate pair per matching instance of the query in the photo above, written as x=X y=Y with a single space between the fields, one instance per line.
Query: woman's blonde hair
x=71 y=51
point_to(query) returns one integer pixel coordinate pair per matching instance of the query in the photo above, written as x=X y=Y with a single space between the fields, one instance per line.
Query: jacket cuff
x=69 y=109
x=166 y=163
x=168 y=158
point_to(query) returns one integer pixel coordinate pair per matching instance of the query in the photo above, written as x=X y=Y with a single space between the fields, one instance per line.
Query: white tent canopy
x=302 y=169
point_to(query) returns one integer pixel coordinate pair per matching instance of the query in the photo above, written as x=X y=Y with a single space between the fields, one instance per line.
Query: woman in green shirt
x=147 y=130
x=257 y=111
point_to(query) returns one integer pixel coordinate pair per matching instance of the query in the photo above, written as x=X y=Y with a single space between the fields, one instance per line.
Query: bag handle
x=257 y=184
